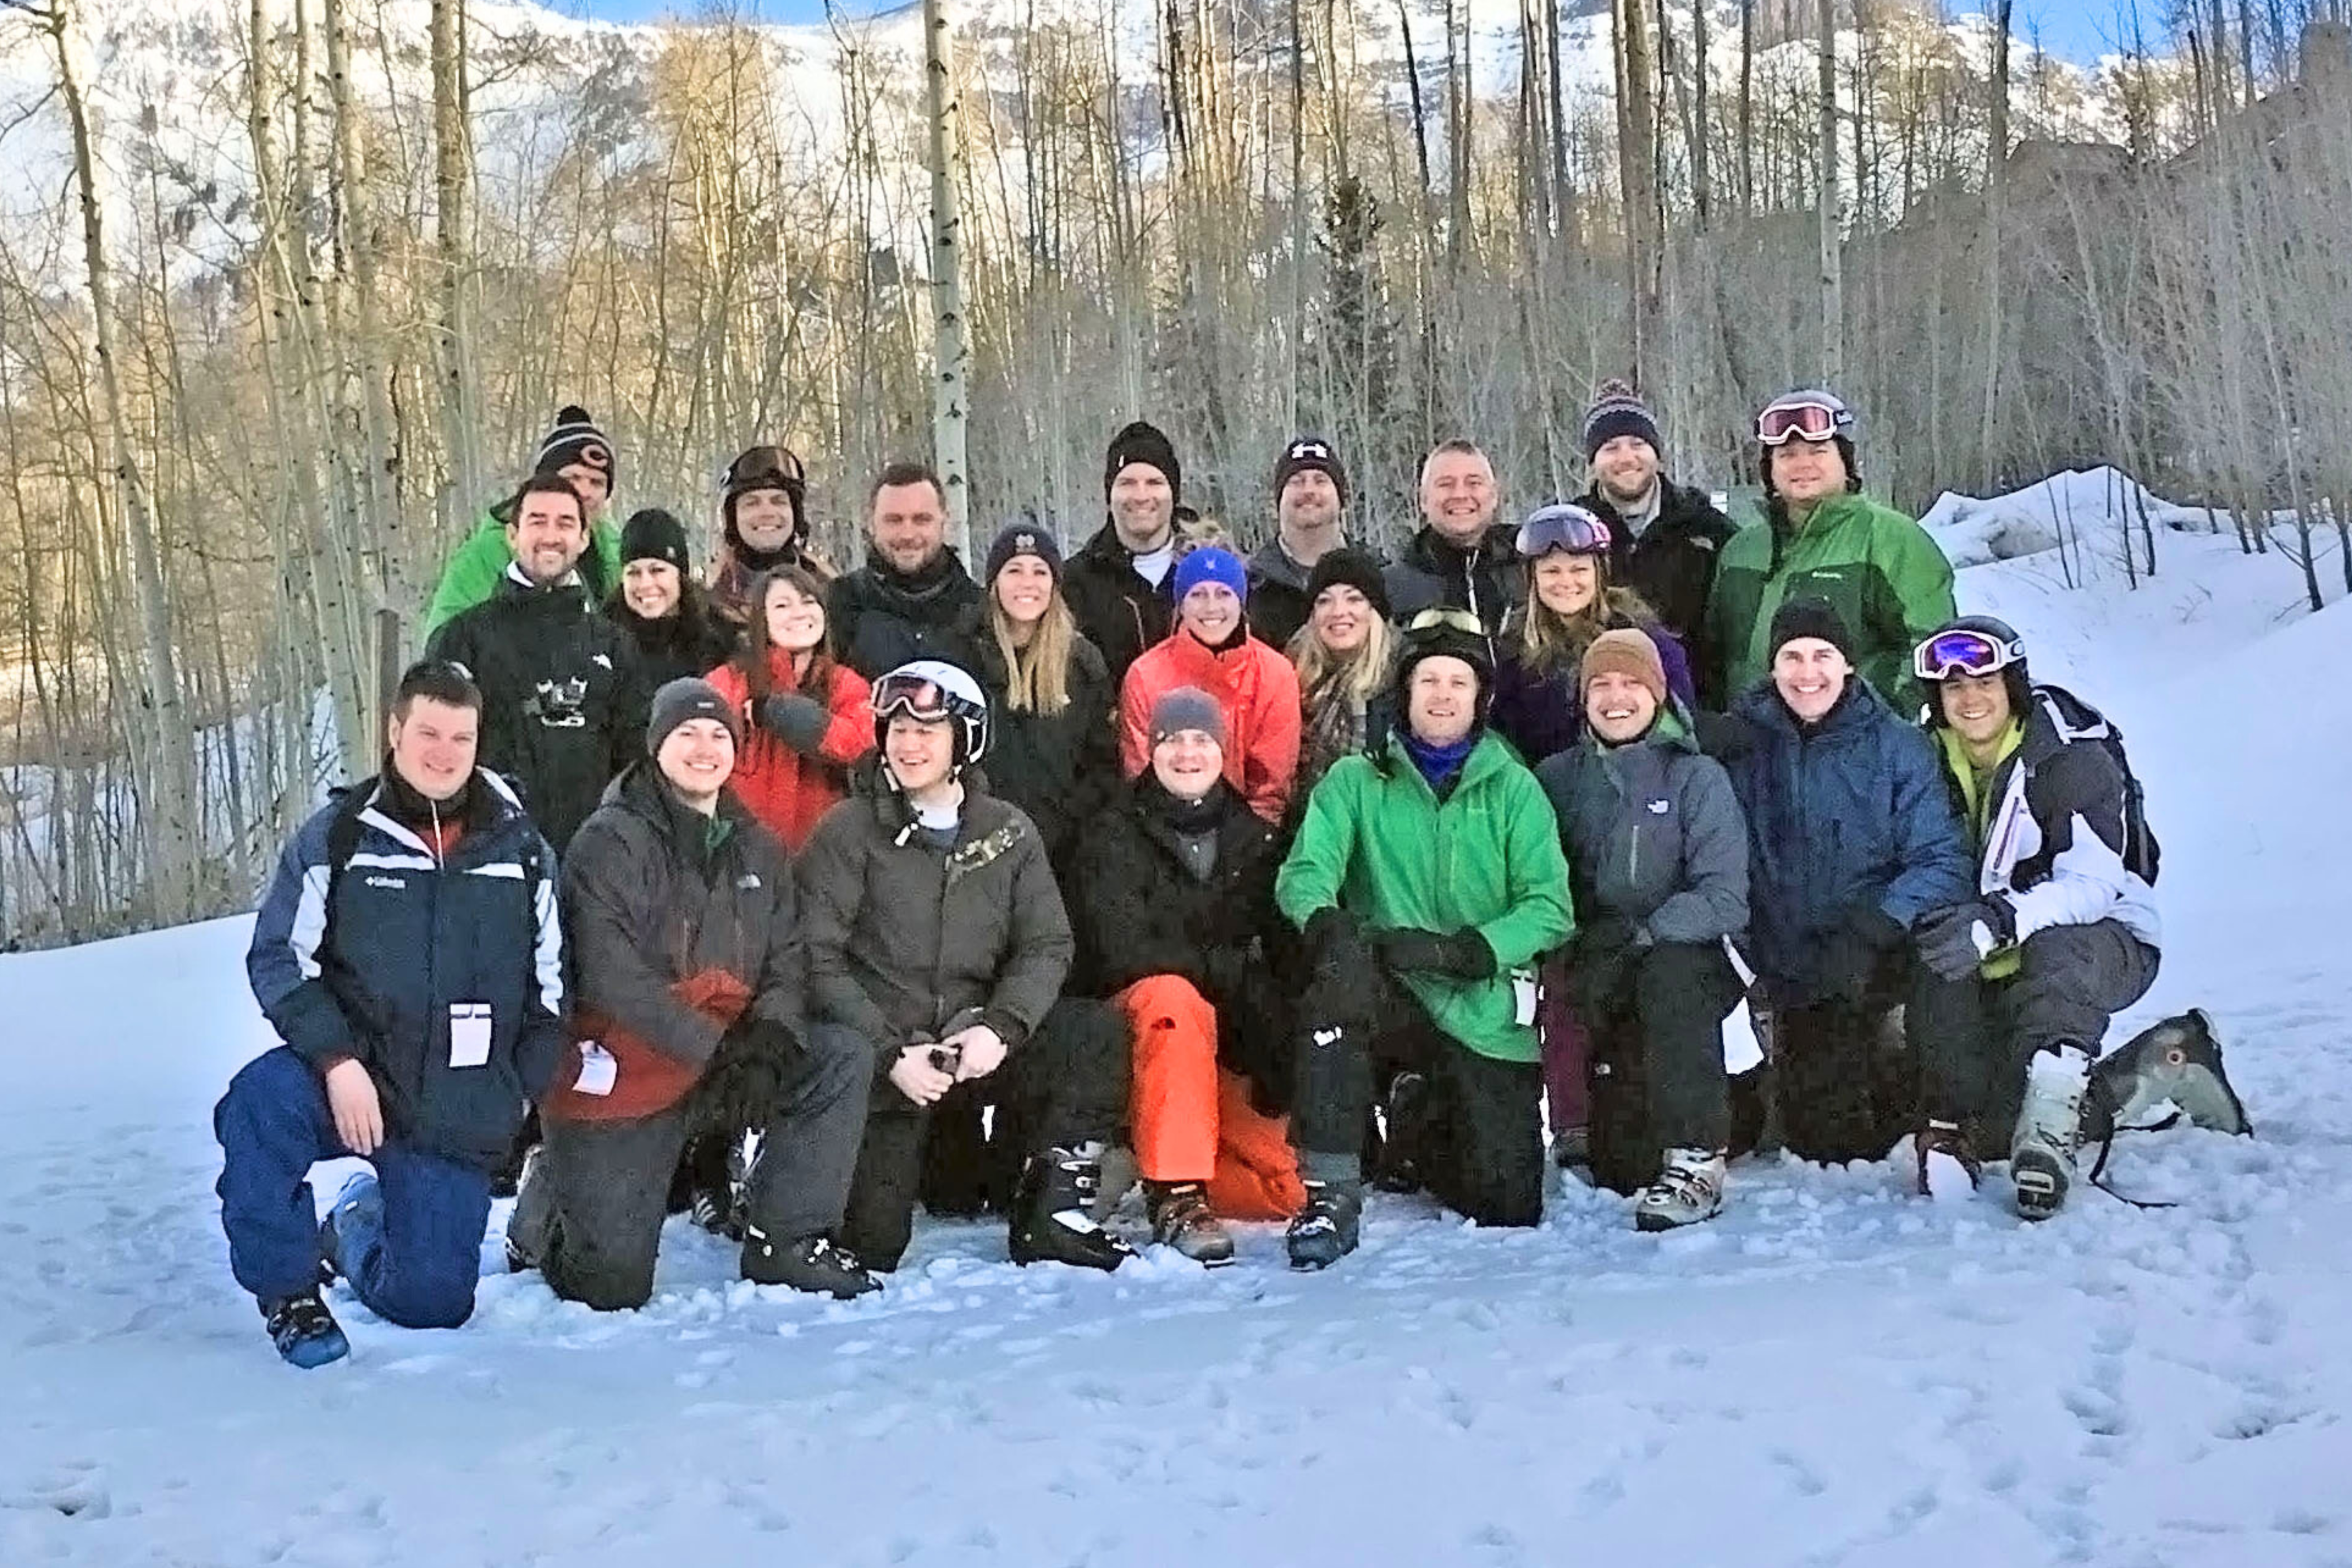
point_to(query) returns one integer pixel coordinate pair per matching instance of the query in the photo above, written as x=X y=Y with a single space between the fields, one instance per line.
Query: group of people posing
x=800 y=898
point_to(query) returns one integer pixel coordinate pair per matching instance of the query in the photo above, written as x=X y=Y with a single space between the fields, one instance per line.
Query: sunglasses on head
x=1563 y=526
x=1809 y=420
x=1963 y=651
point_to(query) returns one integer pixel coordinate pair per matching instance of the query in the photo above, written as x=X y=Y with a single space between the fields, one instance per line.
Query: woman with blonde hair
x=1053 y=751
x=1344 y=654
x=1569 y=602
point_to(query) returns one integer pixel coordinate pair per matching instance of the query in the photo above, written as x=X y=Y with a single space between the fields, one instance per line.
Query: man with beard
x=912 y=599
x=1310 y=500
x=1664 y=539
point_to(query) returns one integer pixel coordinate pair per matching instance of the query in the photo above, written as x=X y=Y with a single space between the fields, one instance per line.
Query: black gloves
x=743 y=1084
x=1850 y=953
x=1954 y=939
x=1464 y=955
x=798 y=722
x=1600 y=956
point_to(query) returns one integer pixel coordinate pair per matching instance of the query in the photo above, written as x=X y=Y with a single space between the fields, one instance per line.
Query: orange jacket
x=788 y=792
x=1252 y=684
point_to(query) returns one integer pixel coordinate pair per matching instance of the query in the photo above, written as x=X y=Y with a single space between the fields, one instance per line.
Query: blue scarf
x=1438 y=764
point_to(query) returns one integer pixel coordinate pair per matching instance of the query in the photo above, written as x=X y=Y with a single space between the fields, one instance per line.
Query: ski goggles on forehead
x=917 y=697
x=1813 y=420
x=1446 y=618
x=1963 y=651
x=1563 y=527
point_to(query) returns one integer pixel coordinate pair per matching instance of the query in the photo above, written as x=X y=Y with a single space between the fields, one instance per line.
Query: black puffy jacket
x=563 y=696
x=1060 y=768
x=881 y=618
x=1672 y=564
x=1433 y=573
x=1119 y=613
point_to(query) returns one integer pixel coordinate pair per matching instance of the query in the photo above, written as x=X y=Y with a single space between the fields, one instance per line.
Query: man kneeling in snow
x=1427 y=878
x=2063 y=931
x=408 y=953
x=685 y=934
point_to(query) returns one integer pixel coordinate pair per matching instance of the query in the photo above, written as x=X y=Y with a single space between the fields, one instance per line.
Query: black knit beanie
x=1354 y=568
x=1142 y=442
x=576 y=441
x=653 y=534
x=1810 y=617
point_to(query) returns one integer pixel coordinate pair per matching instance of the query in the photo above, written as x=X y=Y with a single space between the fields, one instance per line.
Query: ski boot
x=357 y=1213
x=304 y=1332
x=1403 y=1114
x=812 y=1264
x=1181 y=1218
x=2048 y=1128
x=1326 y=1230
x=1052 y=1219
x=1948 y=1168
x=2178 y=1060
x=1688 y=1190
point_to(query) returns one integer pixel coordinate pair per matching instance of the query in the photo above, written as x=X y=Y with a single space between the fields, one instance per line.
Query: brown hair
x=1549 y=641
x=751 y=655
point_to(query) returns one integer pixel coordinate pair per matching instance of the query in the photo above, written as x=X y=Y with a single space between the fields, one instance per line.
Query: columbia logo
x=394 y=882
x=748 y=879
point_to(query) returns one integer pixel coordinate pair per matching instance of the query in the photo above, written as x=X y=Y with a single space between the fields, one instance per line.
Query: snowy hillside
x=1832 y=1374
x=167 y=76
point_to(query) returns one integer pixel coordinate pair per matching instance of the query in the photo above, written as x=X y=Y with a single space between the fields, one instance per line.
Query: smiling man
x=1664 y=537
x=1461 y=559
x=1887 y=580
x=912 y=599
x=2063 y=933
x=564 y=699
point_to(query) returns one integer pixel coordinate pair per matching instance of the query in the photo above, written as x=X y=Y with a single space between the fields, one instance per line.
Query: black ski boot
x=304 y=1332
x=2179 y=1059
x=1051 y=1217
x=1325 y=1231
x=812 y=1264
x=1403 y=1117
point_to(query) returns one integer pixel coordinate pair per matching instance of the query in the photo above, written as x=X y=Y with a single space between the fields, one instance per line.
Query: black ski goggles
x=1964 y=651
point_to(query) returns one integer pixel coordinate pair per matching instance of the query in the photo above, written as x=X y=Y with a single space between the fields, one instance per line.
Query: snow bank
x=2080 y=511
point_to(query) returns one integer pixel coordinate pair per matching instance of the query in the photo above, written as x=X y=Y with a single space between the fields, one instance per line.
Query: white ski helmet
x=934 y=691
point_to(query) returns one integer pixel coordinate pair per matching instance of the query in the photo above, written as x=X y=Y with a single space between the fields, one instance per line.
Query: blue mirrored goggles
x=1964 y=651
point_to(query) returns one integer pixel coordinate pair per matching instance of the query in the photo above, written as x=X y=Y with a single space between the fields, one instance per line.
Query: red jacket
x=786 y=791
x=1258 y=691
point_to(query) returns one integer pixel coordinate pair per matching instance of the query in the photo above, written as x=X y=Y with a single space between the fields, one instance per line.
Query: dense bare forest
x=272 y=332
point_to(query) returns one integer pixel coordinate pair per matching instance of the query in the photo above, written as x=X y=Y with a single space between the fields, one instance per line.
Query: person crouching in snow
x=1852 y=838
x=936 y=937
x=1174 y=894
x=690 y=1021
x=1657 y=856
x=2063 y=931
x=1212 y=649
x=1427 y=879
x=408 y=953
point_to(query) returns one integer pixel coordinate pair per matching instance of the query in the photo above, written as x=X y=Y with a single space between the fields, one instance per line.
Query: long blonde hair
x=1036 y=677
x=1550 y=641
x=1362 y=675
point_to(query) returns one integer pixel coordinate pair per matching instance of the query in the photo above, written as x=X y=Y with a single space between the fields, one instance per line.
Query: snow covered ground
x=1832 y=1374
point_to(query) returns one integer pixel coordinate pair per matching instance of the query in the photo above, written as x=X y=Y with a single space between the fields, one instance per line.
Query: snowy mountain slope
x=1832 y=1374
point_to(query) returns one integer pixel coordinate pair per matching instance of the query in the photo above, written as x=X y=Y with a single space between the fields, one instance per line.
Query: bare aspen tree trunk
x=169 y=807
x=1748 y=108
x=1833 y=206
x=1457 y=140
x=1637 y=183
x=1702 y=181
x=452 y=227
x=951 y=349
x=1996 y=182
x=379 y=498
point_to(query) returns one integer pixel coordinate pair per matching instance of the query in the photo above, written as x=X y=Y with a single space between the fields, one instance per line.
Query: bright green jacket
x=1882 y=571
x=473 y=570
x=1377 y=843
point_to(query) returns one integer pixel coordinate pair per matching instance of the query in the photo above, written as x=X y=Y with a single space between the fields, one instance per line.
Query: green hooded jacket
x=474 y=570
x=1379 y=844
x=1886 y=578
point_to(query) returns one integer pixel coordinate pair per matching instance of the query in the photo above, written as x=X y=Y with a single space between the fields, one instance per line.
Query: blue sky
x=2079 y=30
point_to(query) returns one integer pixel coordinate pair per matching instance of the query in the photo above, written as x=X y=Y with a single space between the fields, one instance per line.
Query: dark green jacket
x=1876 y=567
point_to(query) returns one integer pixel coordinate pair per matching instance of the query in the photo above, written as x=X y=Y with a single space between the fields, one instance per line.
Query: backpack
x=2078 y=721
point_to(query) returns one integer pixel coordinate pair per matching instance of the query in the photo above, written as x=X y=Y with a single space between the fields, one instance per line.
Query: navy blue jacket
x=373 y=974
x=1852 y=812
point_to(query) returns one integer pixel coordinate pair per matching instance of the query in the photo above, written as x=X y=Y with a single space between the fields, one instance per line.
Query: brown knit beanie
x=1625 y=651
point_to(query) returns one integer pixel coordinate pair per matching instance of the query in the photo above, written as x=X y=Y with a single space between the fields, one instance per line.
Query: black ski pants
x=1065 y=1085
x=1479 y=1147
x=2071 y=983
x=1656 y=1062
x=1854 y=1074
x=591 y=1214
